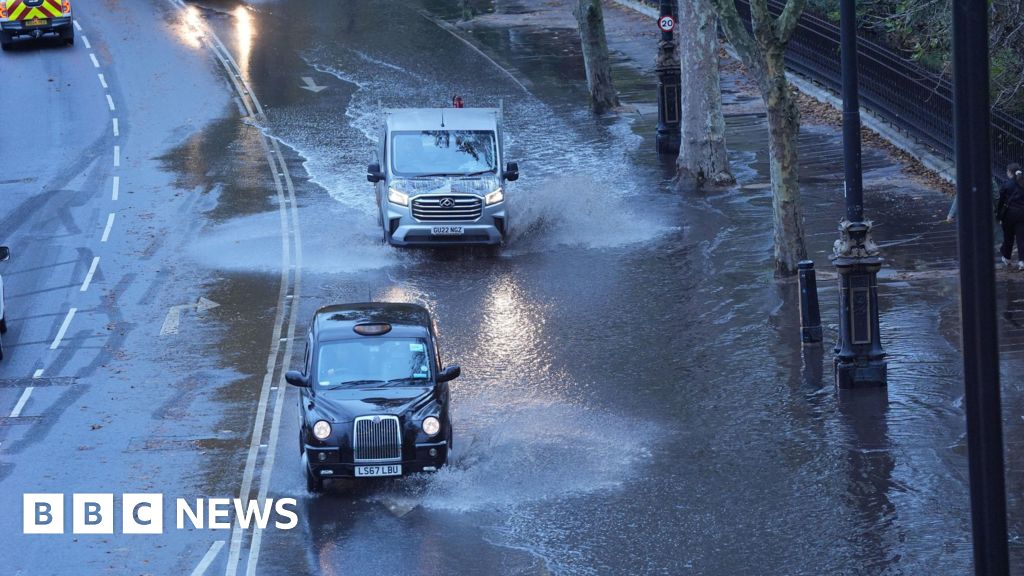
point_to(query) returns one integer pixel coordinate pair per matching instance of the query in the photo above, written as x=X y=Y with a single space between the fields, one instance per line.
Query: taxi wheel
x=313 y=484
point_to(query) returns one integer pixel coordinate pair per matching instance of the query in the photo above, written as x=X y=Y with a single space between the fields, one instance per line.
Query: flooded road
x=634 y=398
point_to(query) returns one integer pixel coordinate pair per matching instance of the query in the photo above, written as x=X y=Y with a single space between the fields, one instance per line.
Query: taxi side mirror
x=5 y=253
x=373 y=173
x=511 y=172
x=295 y=378
x=449 y=373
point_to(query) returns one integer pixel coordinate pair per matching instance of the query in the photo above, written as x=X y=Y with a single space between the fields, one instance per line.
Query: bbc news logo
x=144 y=513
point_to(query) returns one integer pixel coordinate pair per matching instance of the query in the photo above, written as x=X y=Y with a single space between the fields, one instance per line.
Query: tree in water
x=702 y=153
x=762 y=52
x=590 y=18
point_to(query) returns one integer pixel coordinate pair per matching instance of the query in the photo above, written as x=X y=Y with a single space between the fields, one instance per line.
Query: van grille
x=377 y=438
x=447 y=208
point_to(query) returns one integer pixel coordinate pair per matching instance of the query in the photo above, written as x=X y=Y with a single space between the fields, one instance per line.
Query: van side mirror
x=449 y=373
x=373 y=173
x=511 y=172
x=295 y=378
x=5 y=253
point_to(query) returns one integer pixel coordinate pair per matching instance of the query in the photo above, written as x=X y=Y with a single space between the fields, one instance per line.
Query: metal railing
x=914 y=99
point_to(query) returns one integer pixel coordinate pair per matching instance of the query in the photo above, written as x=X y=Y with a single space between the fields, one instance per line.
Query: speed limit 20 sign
x=666 y=23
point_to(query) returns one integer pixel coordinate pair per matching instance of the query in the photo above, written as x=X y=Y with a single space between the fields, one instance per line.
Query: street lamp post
x=978 y=287
x=667 y=68
x=860 y=360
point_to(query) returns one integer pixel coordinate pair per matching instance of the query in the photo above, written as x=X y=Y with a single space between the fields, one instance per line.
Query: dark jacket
x=1011 y=196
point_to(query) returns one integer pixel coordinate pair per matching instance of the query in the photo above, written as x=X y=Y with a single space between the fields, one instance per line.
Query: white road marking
x=117 y=129
x=117 y=156
x=37 y=373
x=85 y=41
x=95 y=62
x=110 y=224
x=173 y=318
x=88 y=277
x=110 y=102
x=117 y=185
x=21 y=402
x=275 y=425
x=63 y=328
x=77 y=26
x=208 y=558
x=103 y=81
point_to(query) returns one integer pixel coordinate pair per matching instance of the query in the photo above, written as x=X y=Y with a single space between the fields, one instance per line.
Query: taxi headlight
x=322 y=429
x=431 y=426
x=398 y=197
x=494 y=197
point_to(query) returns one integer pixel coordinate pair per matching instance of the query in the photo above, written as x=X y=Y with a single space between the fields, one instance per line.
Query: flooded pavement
x=634 y=398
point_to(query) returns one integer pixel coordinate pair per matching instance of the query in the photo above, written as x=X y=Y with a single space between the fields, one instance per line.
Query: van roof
x=430 y=118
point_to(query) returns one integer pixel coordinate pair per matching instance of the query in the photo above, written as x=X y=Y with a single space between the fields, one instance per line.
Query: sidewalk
x=918 y=286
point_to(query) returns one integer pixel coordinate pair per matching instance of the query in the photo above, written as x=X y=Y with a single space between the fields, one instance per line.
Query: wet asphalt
x=634 y=398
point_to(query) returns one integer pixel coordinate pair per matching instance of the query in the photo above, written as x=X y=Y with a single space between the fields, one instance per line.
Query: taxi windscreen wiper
x=408 y=379
x=350 y=383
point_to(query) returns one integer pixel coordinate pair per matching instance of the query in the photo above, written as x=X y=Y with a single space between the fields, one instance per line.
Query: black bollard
x=810 y=315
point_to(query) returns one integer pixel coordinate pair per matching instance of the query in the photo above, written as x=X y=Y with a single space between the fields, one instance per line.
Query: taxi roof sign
x=375 y=329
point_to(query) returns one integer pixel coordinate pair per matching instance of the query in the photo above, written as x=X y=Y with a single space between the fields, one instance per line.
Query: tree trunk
x=783 y=129
x=467 y=10
x=702 y=153
x=595 y=56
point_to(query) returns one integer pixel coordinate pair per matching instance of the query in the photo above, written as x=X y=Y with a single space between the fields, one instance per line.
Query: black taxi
x=373 y=393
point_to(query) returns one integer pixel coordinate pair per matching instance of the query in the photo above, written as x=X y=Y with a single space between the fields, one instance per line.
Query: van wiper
x=437 y=175
x=351 y=383
x=480 y=173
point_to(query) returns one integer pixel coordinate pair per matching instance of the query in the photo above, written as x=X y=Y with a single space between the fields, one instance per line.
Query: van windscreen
x=443 y=152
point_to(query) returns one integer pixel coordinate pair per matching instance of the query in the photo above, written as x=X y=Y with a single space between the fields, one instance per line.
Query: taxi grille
x=447 y=208
x=377 y=438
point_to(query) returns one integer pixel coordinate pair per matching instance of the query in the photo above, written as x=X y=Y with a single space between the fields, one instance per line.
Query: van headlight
x=494 y=197
x=398 y=197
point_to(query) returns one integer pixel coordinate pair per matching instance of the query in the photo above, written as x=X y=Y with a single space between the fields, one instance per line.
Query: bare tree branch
x=788 y=19
x=737 y=34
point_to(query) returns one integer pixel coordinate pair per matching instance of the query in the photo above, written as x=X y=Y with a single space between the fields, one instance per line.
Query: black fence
x=910 y=97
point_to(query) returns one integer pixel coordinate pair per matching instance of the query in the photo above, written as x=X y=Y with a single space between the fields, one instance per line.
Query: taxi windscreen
x=372 y=361
x=442 y=152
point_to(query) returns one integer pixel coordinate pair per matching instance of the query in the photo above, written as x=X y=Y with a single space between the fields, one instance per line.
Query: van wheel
x=69 y=36
x=1 y=348
x=3 y=325
x=5 y=46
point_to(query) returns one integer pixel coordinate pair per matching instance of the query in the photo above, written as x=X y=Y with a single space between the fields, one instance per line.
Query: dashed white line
x=110 y=224
x=110 y=102
x=117 y=185
x=103 y=81
x=88 y=277
x=208 y=559
x=95 y=62
x=117 y=129
x=85 y=41
x=63 y=328
x=77 y=26
x=117 y=156
x=37 y=373
x=21 y=402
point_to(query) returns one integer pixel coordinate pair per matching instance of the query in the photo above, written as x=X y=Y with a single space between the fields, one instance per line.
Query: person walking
x=1010 y=212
